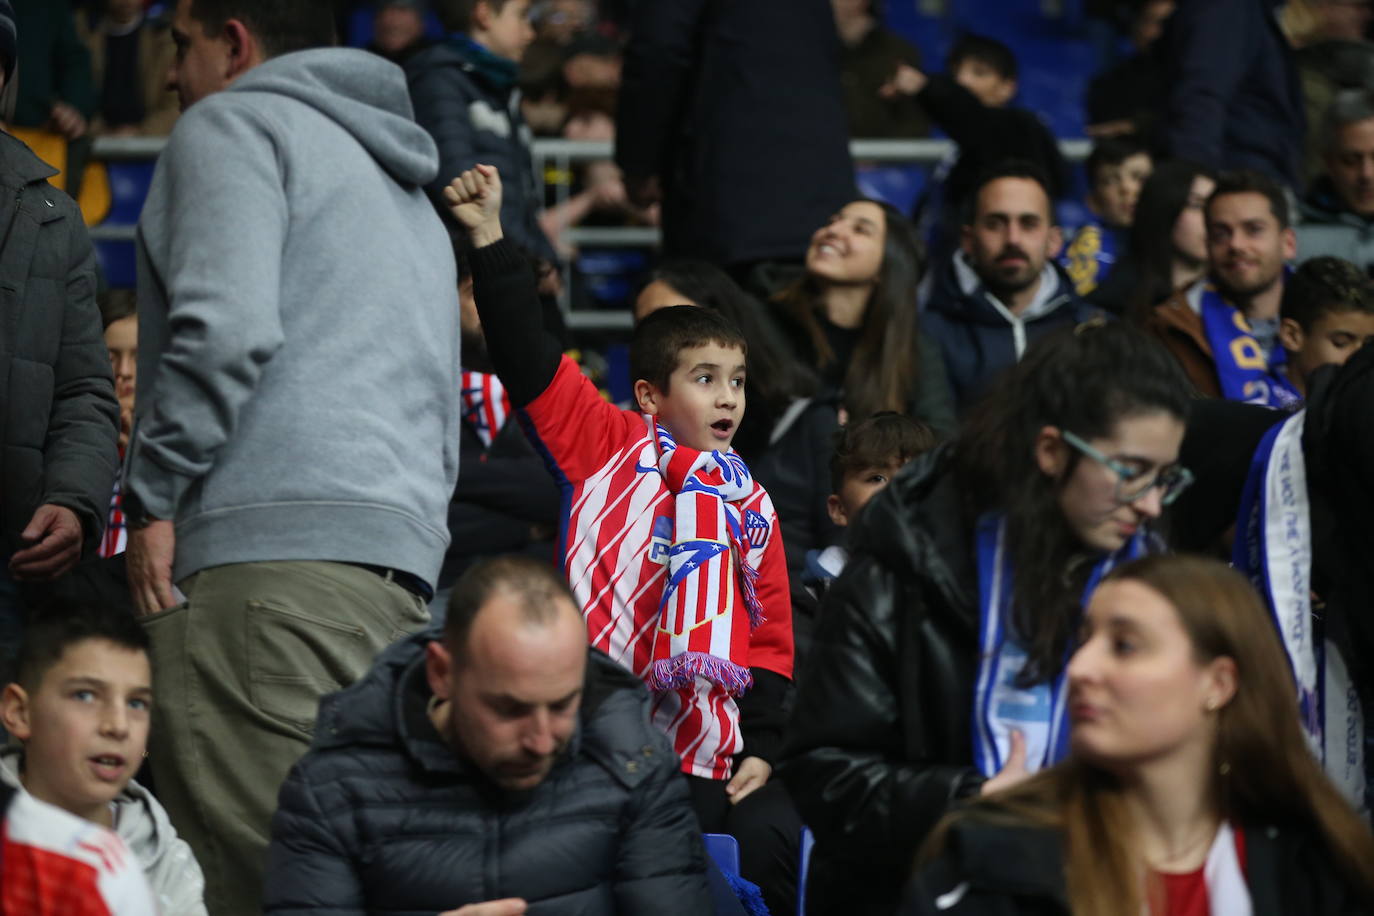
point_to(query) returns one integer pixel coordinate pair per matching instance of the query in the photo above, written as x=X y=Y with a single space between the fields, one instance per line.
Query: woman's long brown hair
x=883 y=371
x=1272 y=777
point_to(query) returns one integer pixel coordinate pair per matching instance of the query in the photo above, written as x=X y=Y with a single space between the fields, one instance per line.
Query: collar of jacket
x=1324 y=205
x=976 y=307
x=19 y=166
x=497 y=72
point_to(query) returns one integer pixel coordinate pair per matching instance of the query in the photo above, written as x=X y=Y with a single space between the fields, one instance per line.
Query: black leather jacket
x=1003 y=870
x=881 y=732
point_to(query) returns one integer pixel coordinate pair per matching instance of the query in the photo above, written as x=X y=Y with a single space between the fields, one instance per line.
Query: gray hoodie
x=171 y=869
x=298 y=376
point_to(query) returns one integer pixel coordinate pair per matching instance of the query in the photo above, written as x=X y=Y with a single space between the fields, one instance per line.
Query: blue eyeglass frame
x=1182 y=477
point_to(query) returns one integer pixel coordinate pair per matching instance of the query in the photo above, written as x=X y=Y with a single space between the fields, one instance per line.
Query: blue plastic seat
x=724 y=849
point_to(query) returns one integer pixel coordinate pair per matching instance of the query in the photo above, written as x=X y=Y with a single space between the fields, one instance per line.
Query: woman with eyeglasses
x=938 y=667
x=1189 y=789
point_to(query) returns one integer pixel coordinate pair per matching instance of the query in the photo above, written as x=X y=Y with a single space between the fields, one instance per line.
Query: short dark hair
x=280 y=26
x=663 y=335
x=1249 y=181
x=456 y=15
x=59 y=624
x=1010 y=168
x=116 y=304
x=1323 y=285
x=537 y=586
x=1111 y=151
x=876 y=442
x=985 y=50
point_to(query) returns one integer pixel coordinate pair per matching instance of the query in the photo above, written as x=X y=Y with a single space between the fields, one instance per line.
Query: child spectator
x=464 y=92
x=55 y=864
x=671 y=548
x=971 y=102
x=81 y=706
x=868 y=454
x=1326 y=315
x=1117 y=169
x=117 y=310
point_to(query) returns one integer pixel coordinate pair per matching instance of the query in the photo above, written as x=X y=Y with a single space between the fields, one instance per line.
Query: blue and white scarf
x=999 y=705
x=1244 y=373
x=1273 y=547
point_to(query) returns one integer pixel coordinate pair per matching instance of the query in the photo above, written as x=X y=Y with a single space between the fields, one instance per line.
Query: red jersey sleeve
x=771 y=646
x=577 y=427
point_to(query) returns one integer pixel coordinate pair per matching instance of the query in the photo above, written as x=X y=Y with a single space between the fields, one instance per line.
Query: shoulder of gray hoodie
x=289 y=168
x=141 y=822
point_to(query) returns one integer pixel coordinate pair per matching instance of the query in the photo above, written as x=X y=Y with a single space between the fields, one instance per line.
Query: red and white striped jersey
x=617 y=527
x=116 y=537
x=55 y=864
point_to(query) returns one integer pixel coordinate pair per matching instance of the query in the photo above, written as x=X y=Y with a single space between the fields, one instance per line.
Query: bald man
x=501 y=767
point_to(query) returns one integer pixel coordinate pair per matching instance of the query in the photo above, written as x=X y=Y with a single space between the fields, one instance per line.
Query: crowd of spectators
x=904 y=563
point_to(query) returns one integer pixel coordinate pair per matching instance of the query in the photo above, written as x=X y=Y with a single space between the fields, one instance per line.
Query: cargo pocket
x=295 y=658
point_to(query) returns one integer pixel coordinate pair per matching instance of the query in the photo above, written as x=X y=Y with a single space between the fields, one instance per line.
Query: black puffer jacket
x=1003 y=870
x=382 y=817
x=58 y=412
x=880 y=739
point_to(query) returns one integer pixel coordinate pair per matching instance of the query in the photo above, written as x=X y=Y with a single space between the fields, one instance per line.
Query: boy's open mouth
x=108 y=766
x=723 y=426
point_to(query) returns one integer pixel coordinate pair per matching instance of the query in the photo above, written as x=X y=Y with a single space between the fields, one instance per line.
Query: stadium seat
x=724 y=849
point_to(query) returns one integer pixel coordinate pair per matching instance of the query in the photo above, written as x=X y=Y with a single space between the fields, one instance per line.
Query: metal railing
x=563 y=154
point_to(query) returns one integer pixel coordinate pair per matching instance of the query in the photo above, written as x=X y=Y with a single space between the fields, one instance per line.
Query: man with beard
x=1224 y=329
x=1003 y=289
x=506 y=501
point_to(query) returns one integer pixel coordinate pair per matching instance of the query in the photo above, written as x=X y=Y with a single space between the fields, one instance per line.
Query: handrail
x=919 y=151
x=566 y=152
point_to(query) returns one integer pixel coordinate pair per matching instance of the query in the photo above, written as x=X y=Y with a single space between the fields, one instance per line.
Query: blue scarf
x=498 y=72
x=1244 y=373
x=999 y=705
x=1273 y=547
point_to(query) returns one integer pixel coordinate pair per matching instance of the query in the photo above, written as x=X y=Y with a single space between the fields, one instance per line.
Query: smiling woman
x=1190 y=787
x=853 y=316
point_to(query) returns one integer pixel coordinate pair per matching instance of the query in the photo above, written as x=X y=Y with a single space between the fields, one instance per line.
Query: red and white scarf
x=485 y=404
x=700 y=632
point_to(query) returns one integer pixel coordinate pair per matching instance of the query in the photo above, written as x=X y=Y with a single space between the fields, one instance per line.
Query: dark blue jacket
x=976 y=339
x=381 y=816
x=466 y=98
x=1234 y=96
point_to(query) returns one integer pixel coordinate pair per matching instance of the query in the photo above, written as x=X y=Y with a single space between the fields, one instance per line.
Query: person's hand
x=1014 y=770
x=474 y=199
x=54 y=539
x=750 y=775
x=906 y=81
x=644 y=192
x=67 y=121
x=511 y=906
x=149 y=561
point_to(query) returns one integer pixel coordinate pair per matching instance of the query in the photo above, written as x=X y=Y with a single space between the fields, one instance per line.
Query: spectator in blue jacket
x=464 y=93
x=1234 y=97
x=1003 y=289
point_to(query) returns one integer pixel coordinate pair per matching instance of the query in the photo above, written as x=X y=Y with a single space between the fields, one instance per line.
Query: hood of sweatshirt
x=364 y=94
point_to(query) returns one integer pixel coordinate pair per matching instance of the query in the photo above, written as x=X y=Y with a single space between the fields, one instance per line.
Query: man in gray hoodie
x=295 y=440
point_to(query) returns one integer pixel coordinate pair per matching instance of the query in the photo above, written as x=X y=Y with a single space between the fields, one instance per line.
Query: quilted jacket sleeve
x=310 y=862
x=662 y=863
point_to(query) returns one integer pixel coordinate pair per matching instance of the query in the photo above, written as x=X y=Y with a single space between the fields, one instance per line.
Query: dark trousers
x=768 y=829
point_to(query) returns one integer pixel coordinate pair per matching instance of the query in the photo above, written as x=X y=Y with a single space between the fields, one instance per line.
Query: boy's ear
x=14 y=711
x=836 y=510
x=1291 y=336
x=648 y=397
x=482 y=14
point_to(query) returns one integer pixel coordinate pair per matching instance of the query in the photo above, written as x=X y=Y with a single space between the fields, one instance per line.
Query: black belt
x=408 y=581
